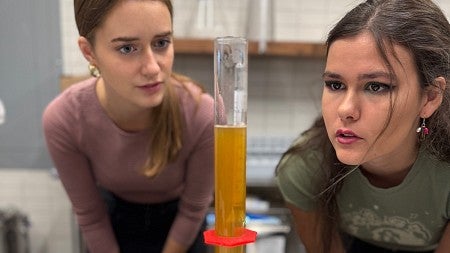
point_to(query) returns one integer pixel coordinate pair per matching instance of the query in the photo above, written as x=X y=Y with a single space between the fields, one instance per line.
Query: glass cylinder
x=230 y=78
x=230 y=94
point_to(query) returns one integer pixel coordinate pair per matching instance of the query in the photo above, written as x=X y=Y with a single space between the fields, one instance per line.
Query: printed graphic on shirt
x=366 y=223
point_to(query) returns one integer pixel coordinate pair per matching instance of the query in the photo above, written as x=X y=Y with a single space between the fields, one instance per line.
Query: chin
x=154 y=102
x=349 y=157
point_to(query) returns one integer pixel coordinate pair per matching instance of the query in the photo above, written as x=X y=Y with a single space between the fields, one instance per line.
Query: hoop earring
x=422 y=130
x=93 y=70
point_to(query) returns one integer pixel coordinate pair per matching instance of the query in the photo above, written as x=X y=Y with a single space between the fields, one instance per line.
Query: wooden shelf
x=285 y=49
x=206 y=47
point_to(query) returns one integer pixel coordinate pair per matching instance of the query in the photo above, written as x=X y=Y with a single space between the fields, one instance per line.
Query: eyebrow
x=124 y=39
x=372 y=75
x=131 y=39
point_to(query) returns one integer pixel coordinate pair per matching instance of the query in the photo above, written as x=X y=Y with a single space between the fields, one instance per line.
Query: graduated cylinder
x=230 y=75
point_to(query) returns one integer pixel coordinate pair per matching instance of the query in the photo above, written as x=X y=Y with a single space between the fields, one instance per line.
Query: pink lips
x=151 y=88
x=346 y=136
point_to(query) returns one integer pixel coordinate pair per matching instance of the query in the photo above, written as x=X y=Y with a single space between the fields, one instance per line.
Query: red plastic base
x=212 y=238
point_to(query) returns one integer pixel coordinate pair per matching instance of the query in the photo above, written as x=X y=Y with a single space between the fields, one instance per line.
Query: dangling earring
x=422 y=130
x=93 y=70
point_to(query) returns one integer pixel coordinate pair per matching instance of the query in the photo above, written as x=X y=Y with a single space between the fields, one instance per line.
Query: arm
x=306 y=228
x=199 y=175
x=172 y=246
x=444 y=243
x=76 y=176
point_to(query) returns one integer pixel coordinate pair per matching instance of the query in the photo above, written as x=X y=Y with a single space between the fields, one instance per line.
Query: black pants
x=144 y=227
x=359 y=246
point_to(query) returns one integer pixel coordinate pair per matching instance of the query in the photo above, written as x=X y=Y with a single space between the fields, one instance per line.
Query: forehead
x=138 y=15
x=359 y=54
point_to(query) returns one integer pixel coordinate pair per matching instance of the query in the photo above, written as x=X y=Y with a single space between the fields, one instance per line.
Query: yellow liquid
x=230 y=188
x=237 y=249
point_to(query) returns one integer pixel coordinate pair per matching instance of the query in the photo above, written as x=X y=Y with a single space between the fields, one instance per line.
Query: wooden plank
x=66 y=81
x=286 y=49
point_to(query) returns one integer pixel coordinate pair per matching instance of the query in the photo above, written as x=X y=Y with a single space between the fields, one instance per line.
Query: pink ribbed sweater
x=89 y=150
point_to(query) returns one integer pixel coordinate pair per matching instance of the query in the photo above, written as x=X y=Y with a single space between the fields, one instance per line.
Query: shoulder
x=298 y=176
x=194 y=101
x=74 y=95
x=298 y=164
x=187 y=87
x=69 y=105
x=304 y=152
x=426 y=160
x=430 y=167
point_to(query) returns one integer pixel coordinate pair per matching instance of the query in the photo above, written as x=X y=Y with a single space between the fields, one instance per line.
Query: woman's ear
x=87 y=50
x=433 y=97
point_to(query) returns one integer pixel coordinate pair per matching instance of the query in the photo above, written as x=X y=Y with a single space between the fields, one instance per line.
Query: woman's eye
x=162 y=43
x=334 y=85
x=376 y=87
x=127 y=49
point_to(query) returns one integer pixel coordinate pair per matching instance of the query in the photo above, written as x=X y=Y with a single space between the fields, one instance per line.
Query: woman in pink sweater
x=135 y=131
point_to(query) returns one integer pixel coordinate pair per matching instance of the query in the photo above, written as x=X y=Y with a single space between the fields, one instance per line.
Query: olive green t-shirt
x=410 y=216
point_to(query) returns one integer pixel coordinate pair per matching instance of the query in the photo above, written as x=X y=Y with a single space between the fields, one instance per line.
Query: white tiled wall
x=283 y=93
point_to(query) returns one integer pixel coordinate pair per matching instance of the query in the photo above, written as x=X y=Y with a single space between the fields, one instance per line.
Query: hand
x=172 y=246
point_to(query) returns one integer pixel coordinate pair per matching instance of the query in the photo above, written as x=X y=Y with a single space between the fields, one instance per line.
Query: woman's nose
x=150 y=65
x=349 y=108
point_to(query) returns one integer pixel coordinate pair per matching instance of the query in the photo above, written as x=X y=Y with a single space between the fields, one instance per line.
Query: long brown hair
x=166 y=138
x=422 y=28
x=168 y=128
x=90 y=14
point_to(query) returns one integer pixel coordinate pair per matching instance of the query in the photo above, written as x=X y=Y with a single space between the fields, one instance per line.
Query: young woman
x=137 y=132
x=373 y=172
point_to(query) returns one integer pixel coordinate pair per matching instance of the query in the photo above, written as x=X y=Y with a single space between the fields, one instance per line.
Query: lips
x=346 y=136
x=151 y=88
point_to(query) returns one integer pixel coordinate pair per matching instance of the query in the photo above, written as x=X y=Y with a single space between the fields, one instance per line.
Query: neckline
x=409 y=178
x=102 y=112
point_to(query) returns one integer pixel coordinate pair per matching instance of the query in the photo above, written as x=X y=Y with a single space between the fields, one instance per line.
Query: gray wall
x=30 y=66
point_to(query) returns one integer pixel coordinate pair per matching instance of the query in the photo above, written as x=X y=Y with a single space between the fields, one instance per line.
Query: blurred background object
x=260 y=20
x=2 y=113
